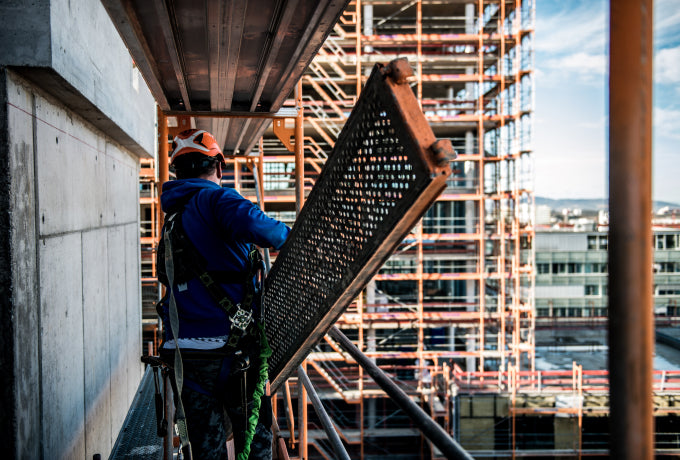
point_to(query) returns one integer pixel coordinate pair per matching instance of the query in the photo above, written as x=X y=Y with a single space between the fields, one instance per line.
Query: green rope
x=265 y=352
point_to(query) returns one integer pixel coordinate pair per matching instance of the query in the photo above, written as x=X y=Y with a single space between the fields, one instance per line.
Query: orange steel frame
x=155 y=173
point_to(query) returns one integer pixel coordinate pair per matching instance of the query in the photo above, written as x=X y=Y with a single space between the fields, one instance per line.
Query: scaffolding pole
x=431 y=429
x=631 y=334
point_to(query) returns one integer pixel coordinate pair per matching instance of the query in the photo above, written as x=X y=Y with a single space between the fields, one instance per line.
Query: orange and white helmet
x=195 y=140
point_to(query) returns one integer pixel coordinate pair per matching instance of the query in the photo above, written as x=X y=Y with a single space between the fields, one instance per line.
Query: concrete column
x=470 y=17
x=368 y=25
x=471 y=222
x=566 y=433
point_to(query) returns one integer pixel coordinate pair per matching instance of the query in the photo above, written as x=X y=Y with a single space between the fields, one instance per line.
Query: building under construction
x=448 y=317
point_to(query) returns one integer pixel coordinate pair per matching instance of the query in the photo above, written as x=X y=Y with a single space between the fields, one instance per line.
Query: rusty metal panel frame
x=385 y=171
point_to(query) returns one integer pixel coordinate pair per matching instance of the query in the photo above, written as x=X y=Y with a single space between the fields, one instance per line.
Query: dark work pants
x=212 y=417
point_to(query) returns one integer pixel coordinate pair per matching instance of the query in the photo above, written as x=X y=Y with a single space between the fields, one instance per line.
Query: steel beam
x=276 y=35
x=173 y=48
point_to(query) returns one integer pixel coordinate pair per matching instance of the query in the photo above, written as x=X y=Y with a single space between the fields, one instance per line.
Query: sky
x=570 y=125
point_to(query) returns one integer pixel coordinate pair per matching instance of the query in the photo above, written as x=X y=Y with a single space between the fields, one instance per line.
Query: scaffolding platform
x=137 y=439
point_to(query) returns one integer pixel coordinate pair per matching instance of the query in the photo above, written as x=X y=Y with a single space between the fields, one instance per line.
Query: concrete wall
x=74 y=119
x=75 y=244
x=72 y=51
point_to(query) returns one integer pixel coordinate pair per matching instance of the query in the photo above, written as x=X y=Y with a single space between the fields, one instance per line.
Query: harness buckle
x=206 y=279
x=241 y=319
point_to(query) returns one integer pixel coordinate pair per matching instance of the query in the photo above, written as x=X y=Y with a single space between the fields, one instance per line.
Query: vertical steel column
x=631 y=334
x=480 y=146
x=163 y=171
x=420 y=307
x=299 y=202
x=362 y=423
x=302 y=416
x=358 y=46
x=326 y=422
x=260 y=174
x=419 y=51
x=155 y=231
x=237 y=175
x=299 y=150
x=290 y=419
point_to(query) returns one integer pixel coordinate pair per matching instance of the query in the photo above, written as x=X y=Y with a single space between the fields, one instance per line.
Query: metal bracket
x=284 y=134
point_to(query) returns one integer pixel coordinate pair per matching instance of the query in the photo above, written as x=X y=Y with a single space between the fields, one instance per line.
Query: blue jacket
x=221 y=224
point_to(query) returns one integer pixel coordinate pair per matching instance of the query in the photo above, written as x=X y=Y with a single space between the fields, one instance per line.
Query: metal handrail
x=431 y=429
x=328 y=426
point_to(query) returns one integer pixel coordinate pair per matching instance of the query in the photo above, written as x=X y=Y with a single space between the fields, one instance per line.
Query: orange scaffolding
x=458 y=291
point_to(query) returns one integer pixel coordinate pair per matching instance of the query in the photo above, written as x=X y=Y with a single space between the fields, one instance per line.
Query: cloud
x=570 y=27
x=570 y=175
x=667 y=65
x=666 y=22
x=667 y=122
x=600 y=124
x=571 y=41
x=582 y=64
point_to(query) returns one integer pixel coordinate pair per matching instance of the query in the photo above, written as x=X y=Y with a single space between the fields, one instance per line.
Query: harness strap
x=241 y=318
x=174 y=332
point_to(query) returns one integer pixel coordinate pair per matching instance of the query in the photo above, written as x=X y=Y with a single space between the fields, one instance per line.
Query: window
x=592 y=242
x=542 y=269
x=573 y=312
x=669 y=267
x=398 y=266
x=603 y=242
x=592 y=289
x=559 y=268
x=659 y=242
x=575 y=267
x=596 y=267
x=598 y=242
x=667 y=241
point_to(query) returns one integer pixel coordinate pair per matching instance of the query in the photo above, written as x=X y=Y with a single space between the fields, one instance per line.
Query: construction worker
x=208 y=262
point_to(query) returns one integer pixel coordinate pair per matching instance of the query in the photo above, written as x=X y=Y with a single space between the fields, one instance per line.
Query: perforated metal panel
x=384 y=172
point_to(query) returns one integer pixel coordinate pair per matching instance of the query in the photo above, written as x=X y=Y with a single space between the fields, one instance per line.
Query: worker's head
x=195 y=153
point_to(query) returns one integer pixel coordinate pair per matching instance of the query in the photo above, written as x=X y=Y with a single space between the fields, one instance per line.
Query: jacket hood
x=177 y=193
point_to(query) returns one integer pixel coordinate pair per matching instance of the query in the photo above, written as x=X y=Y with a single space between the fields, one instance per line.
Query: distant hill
x=592 y=204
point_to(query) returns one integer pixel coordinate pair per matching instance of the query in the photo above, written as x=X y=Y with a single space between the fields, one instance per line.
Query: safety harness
x=183 y=262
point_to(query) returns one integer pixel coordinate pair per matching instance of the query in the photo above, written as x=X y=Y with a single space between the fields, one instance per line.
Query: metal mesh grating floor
x=137 y=439
x=384 y=172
